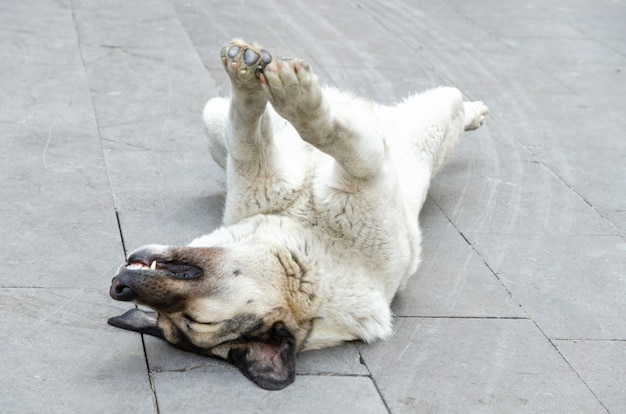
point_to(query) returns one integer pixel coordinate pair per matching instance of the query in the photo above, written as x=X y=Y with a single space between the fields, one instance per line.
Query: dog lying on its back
x=320 y=224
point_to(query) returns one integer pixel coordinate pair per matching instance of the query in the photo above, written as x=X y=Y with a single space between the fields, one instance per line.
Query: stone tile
x=572 y=286
x=491 y=184
x=163 y=357
x=142 y=84
x=601 y=20
x=425 y=27
x=501 y=78
x=562 y=51
x=617 y=218
x=140 y=23
x=383 y=84
x=588 y=170
x=45 y=37
x=194 y=391
x=175 y=132
x=452 y=279
x=59 y=356
x=602 y=365
x=59 y=214
x=163 y=196
x=339 y=360
x=487 y=9
x=562 y=119
x=541 y=25
x=45 y=96
x=600 y=83
x=474 y=365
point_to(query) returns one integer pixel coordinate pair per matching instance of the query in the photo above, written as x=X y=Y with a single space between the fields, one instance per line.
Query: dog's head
x=252 y=305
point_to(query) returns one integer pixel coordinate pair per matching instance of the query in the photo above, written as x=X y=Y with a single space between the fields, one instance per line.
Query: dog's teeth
x=153 y=265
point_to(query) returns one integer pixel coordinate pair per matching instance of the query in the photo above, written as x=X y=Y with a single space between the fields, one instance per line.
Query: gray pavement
x=520 y=303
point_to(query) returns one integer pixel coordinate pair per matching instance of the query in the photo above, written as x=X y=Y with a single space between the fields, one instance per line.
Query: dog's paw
x=291 y=87
x=475 y=113
x=244 y=61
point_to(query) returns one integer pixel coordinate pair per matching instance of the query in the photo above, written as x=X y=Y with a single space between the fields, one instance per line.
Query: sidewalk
x=519 y=305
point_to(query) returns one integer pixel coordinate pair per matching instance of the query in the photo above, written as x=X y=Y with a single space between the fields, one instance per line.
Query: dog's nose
x=120 y=291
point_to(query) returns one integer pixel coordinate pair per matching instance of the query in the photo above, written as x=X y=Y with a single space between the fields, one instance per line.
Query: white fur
x=342 y=182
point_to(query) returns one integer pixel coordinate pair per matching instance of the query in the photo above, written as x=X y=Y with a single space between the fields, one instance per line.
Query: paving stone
x=452 y=280
x=593 y=80
x=140 y=84
x=484 y=9
x=472 y=366
x=55 y=194
x=564 y=51
x=196 y=391
x=59 y=356
x=588 y=170
x=140 y=23
x=165 y=197
x=552 y=75
x=572 y=286
x=339 y=360
x=607 y=383
x=385 y=85
x=428 y=26
x=540 y=25
x=491 y=185
x=44 y=37
x=617 y=218
x=561 y=119
x=599 y=20
x=46 y=96
x=148 y=103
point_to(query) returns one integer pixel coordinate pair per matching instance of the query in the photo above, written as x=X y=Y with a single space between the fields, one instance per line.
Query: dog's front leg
x=249 y=129
x=255 y=181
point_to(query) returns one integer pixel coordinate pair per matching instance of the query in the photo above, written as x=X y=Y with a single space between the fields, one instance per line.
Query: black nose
x=120 y=291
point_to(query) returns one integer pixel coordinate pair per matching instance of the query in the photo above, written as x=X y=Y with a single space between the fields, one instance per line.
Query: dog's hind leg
x=425 y=129
x=338 y=124
x=436 y=120
x=475 y=113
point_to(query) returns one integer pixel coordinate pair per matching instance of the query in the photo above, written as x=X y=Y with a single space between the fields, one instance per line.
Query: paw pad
x=241 y=58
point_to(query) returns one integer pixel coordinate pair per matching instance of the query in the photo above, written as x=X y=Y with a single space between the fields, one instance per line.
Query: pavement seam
x=112 y=193
x=523 y=318
x=480 y=256
x=571 y=367
x=155 y=399
x=371 y=377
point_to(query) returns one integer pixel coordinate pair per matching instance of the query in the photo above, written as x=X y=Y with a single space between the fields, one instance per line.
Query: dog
x=320 y=226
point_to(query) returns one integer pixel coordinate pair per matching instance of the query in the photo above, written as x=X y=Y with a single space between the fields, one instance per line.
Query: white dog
x=320 y=224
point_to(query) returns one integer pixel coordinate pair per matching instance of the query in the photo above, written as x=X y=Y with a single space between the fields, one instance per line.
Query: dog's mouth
x=140 y=265
x=176 y=269
x=126 y=286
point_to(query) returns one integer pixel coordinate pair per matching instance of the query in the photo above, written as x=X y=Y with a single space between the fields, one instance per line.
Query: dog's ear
x=140 y=321
x=268 y=360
